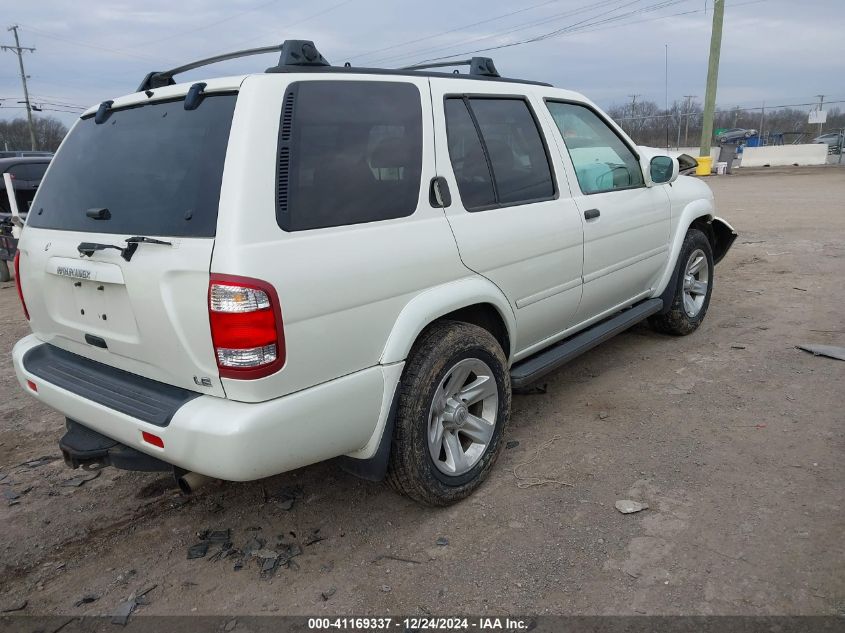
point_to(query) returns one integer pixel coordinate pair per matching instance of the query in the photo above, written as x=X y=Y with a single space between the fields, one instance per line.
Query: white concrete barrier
x=782 y=155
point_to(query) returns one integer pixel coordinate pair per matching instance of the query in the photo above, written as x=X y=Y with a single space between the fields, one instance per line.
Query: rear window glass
x=349 y=152
x=157 y=168
x=29 y=171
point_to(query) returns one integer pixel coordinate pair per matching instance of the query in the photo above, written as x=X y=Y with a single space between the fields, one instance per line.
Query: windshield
x=157 y=168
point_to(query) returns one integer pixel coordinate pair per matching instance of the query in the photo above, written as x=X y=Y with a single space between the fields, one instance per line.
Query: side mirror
x=663 y=169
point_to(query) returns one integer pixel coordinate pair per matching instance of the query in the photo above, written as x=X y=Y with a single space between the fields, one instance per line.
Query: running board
x=527 y=371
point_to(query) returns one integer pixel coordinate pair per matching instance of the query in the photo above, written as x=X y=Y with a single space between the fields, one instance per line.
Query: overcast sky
x=777 y=51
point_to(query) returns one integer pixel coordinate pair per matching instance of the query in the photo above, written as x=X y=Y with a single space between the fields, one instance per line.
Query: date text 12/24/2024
x=419 y=624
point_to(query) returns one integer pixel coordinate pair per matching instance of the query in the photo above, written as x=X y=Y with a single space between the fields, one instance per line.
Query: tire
x=691 y=299
x=722 y=139
x=4 y=271
x=448 y=358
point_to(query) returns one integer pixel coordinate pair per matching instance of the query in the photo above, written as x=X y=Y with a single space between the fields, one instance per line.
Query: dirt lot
x=732 y=436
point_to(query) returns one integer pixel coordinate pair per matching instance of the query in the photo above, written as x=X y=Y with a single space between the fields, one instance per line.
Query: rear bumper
x=231 y=440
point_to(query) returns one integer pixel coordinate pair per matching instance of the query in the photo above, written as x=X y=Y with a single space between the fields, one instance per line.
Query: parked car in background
x=21 y=153
x=26 y=175
x=833 y=139
x=735 y=134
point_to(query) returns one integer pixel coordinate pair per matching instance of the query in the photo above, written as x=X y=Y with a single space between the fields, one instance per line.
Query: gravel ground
x=732 y=436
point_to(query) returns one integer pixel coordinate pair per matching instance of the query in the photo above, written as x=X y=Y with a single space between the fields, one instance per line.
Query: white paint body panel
x=353 y=299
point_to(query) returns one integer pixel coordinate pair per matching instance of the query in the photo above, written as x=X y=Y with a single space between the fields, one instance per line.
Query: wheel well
x=720 y=236
x=486 y=316
x=703 y=225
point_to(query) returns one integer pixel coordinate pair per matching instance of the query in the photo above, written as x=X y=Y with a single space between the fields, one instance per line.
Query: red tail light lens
x=18 y=283
x=246 y=327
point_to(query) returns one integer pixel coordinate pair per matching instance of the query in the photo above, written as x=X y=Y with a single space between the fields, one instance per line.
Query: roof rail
x=481 y=66
x=293 y=53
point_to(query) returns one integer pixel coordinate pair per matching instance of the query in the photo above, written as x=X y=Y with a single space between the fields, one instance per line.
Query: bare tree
x=49 y=132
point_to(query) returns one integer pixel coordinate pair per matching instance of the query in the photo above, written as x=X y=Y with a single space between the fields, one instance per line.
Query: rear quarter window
x=349 y=152
x=157 y=168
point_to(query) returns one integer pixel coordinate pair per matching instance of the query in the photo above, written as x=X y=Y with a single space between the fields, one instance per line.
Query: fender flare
x=430 y=305
x=721 y=234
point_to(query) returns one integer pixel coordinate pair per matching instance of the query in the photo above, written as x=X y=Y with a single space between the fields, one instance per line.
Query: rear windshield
x=157 y=168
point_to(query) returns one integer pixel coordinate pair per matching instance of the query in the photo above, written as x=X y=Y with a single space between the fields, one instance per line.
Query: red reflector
x=243 y=330
x=32 y=385
x=18 y=283
x=155 y=440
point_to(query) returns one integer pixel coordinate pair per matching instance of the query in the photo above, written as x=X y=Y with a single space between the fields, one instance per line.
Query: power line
x=513 y=29
x=441 y=33
x=571 y=28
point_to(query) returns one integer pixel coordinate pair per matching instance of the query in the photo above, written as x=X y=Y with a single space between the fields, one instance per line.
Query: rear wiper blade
x=126 y=252
x=132 y=244
x=140 y=239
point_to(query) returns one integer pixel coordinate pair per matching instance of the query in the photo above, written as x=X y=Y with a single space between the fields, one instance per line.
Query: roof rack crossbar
x=165 y=78
x=293 y=53
x=482 y=66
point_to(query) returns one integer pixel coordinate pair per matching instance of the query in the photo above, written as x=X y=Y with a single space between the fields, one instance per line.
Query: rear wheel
x=454 y=404
x=4 y=271
x=695 y=284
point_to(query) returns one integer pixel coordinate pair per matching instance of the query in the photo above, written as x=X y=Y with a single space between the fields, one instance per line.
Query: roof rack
x=293 y=53
x=479 y=66
x=299 y=55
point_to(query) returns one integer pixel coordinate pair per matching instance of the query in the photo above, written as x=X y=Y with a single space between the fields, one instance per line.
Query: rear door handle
x=591 y=214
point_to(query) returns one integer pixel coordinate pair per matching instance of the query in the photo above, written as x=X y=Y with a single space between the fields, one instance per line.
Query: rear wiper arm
x=132 y=244
x=126 y=252
x=89 y=248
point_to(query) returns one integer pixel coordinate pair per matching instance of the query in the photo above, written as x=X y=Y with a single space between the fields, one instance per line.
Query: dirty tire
x=676 y=321
x=4 y=271
x=411 y=470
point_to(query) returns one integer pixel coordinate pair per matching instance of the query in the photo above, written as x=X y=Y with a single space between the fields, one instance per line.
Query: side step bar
x=527 y=371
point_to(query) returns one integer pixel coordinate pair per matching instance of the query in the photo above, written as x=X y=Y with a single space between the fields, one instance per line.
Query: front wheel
x=454 y=405
x=694 y=287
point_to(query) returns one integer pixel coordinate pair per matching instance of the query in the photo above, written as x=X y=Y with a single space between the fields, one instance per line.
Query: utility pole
x=712 y=76
x=821 y=101
x=633 y=114
x=666 y=93
x=689 y=99
x=18 y=50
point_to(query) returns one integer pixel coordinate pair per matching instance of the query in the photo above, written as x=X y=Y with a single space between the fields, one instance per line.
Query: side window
x=603 y=162
x=467 y=156
x=349 y=152
x=497 y=152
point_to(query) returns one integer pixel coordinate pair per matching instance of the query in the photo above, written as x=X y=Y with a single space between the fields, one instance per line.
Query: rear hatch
x=152 y=170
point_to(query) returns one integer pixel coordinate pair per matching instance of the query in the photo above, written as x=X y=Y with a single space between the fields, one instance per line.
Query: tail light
x=246 y=327
x=18 y=283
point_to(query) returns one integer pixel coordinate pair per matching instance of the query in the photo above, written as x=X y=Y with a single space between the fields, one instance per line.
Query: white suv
x=239 y=277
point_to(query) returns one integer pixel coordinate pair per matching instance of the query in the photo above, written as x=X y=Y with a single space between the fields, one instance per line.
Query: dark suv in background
x=26 y=172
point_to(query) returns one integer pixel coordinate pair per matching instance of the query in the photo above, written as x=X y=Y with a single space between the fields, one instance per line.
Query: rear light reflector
x=246 y=327
x=32 y=386
x=155 y=440
x=18 y=283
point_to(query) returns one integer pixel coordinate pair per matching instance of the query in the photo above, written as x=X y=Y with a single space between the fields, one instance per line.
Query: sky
x=780 y=52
